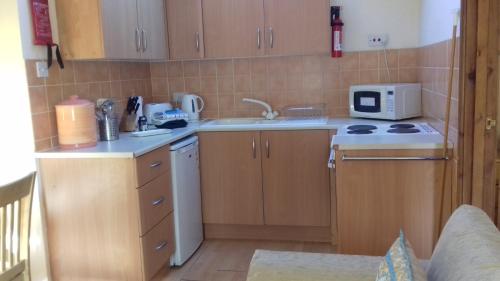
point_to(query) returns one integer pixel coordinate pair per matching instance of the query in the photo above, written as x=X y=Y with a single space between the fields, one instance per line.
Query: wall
x=437 y=19
x=400 y=19
x=282 y=81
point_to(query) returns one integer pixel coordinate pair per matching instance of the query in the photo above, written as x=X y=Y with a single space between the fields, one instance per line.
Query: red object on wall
x=337 y=34
x=41 y=22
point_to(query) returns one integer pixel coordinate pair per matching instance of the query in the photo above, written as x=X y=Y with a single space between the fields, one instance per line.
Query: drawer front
x=155 y=201
x=157 y=247
x=152 y=164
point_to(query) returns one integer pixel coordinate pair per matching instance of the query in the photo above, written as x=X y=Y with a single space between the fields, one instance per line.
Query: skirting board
x=266 y=232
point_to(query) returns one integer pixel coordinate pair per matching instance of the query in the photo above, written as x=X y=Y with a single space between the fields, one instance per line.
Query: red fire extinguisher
x=337 y=34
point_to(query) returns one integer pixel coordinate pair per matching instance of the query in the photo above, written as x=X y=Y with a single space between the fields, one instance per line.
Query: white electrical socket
x=378 y=40
x=42 y=71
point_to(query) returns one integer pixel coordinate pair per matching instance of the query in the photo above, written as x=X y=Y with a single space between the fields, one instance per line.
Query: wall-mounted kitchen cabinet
x=241 y=28
x=297 y=27
x=112 y=29
x=185 y=29
x=233 y=28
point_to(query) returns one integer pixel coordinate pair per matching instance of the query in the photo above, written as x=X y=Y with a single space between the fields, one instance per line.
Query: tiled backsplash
x=282 y=81
x=89 y=80
x=433 y=71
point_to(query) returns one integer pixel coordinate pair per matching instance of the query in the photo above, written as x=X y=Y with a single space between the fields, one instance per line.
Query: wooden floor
x=228 y=260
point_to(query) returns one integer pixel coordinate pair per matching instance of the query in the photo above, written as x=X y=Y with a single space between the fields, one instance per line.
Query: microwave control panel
x=390 y=101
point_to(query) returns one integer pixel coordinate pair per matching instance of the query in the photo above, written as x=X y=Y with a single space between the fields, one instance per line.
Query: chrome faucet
x=269 y=114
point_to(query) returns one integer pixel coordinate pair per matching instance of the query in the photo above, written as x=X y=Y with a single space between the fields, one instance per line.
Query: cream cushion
x=297 y=266
x=468 y=249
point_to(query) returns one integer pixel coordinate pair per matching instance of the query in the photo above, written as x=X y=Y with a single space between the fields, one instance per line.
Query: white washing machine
x=188 y=224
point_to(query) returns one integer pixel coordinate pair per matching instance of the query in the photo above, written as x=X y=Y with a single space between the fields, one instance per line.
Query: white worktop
x=128 y=146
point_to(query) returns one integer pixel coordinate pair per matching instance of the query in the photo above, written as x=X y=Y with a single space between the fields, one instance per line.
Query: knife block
x=128 y=122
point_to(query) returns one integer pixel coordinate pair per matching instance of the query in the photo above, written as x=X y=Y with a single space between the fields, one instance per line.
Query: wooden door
x=120 y=29
x=233 y=28
x=296 y=177
x=231 y=178
x=297 y=27
x=375 y=199
x=153 y=28
x=185 y=29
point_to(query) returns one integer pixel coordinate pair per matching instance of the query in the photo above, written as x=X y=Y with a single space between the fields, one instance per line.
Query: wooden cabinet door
x=120 y=29
x=153 y=28
x=375 y=199
x=296 y=177
x=231 y=178
x=233 y=28
x=185 y=29
x=297 y=27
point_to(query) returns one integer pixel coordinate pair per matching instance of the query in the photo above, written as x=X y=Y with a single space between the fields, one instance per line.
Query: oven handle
x=349 y=158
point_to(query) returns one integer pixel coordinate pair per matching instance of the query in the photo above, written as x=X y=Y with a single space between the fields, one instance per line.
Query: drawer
x=152 y=164
x=157 y=247
x=155 y=201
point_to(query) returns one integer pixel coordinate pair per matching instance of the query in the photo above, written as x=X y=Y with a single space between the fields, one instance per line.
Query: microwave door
x=368 y=101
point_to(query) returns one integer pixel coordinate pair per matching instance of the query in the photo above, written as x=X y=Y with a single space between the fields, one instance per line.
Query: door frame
x=478 y=95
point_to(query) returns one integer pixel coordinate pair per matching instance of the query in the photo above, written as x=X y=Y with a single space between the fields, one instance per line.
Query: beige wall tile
x=276 y=82
x=90 y=71
x=391 y=77
x=392 y=57
x=115 y=70
x=295 y=64
x=408 y=57
x=258 y=65
x=43 y=145
x=175 y=85
x=158 y=69
x=68 y=73
x=159 y=86
x=191 y=68
x=331 y=80
x=225 y=67
x=349 y=61
x=349 y=78
x=225 y=84
x=193 y=84
x=241 y=66
x=54 y=96
x=54 y=75
x=277 y=65
x=41 y=125
x=175 y=69
x=259 y=82
x=209 y=84
x=369 y=76
x=312 y=64
x=330 y=64
x=312 y=82
x=408 y=75
x=368 y=60
x=242 y=83
x=38 y=99
x=294 y=81
x=208 y=68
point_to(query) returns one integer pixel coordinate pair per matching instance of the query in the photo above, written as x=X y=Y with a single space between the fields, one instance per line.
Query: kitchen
x=281 y=145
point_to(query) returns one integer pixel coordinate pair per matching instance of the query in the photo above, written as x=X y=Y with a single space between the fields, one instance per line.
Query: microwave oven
x=386 y=101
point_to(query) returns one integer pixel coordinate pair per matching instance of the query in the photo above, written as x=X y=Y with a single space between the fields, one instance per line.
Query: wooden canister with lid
x=76 y=123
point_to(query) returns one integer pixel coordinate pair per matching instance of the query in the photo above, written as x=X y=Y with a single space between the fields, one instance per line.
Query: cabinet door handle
x=144 y=40
x=156 y=164
x=161 y=245
x=138 y=40
x=271 y=37
x=258 y=37
x=254 y=151
x=197 y=41
x=267 y=148
x=159 y=201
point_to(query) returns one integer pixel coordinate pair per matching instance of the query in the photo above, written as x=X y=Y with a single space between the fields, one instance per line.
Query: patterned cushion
x=400 y=263
x=468 y=249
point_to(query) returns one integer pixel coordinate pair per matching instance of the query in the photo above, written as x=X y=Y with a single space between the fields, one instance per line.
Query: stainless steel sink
x=263 y=122
x=236 y=121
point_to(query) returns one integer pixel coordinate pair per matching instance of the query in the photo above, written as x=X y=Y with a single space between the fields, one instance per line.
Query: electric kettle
x=191 y=107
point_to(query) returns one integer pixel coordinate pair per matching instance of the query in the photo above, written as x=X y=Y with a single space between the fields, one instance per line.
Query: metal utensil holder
x=109 y=128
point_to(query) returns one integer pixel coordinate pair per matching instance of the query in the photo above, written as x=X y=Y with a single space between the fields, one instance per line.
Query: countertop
x=128 y=146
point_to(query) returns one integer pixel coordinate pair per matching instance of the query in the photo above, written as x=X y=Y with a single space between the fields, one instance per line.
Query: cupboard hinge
x=490 y=123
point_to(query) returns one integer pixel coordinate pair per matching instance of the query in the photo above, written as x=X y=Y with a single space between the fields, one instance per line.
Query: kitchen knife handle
x=138 y=40
x=258 y=37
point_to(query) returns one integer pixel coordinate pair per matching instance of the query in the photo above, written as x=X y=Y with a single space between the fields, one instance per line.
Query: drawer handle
x=155 y=164
x=158 y=201
x=161 y=245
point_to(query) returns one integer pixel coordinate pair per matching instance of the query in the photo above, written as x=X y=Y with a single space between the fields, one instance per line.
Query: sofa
x=468 y=249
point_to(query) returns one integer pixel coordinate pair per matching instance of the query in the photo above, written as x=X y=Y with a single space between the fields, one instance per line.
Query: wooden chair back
x=15 y=216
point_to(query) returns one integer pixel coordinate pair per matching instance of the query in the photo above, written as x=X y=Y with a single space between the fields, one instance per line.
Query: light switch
x=42 y=71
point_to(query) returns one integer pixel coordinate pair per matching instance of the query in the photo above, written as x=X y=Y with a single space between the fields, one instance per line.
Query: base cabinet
x=251 y=178
x=100 y=223
x=375 y=199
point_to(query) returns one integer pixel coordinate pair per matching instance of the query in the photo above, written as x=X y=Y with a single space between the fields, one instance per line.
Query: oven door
x=367 y=101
